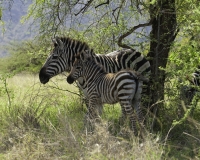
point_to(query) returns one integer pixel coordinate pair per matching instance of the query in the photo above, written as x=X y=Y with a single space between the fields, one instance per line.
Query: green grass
x=46 y=122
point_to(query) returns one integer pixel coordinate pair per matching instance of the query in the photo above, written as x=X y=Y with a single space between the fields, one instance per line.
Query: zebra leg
x=89 y=119
x=133 y=122
x=130 y=114
x=136 y=103
x=99 y=107
x=93 y=115
x=123 y=116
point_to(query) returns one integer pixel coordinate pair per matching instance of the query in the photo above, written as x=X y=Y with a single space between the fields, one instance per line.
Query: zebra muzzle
x=43 y=76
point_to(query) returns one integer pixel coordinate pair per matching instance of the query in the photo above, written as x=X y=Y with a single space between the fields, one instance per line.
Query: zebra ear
x=60 y=43
x=86 y=55
x=54 y=42
x=57 y=42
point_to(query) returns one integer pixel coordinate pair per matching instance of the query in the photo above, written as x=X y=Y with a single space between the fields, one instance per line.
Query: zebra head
x=55 y=63
x=61 y=58
x=78 y=69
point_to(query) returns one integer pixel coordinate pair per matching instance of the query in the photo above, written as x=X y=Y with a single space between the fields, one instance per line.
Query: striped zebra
x=196 y=77
x=192 y=89
x=103 y=87
x=65 y=49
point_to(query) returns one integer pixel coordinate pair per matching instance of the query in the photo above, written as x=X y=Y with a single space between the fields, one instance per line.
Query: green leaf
x=153 y=2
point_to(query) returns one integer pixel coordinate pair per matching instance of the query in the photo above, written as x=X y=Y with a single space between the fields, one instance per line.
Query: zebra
x=192 y=89
x=104 y=87
x=65 y=49
x=196 y=77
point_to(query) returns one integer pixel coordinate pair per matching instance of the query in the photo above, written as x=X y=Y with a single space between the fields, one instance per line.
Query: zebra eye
x=54 y=56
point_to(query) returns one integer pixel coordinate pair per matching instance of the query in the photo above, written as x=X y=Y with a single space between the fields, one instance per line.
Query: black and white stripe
x=65 y=49
x=188 y=92
x=196 y=77
x=103 y=87
x=194 y=85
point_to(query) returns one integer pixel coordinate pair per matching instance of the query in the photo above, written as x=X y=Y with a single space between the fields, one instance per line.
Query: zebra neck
x=73 y=49
x=93 y=71
x=71 y=55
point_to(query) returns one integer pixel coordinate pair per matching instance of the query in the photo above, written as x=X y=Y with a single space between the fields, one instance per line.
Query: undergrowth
x=46 y=122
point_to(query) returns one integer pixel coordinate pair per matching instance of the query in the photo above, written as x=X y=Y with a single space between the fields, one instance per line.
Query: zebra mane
x=67 y=41
x=99 y=66
x=91 y=59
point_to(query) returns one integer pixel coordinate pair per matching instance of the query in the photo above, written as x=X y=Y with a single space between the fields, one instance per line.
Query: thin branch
x=131 y=31
x=113 y=13
x=137 y=6
x=63 y=89
x=8 y=94
x=120 y=7
x=107 y=2
x=58 y=11
x=192 y=136
x=98 y=21
x=84 y=8
x=175 y=34
x=168 y=11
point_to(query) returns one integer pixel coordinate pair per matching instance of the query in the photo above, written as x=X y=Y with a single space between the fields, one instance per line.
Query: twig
x=107 y=2
x=84 y=8
x=155 y=108
x=137 y=6
x=64 y=90
x=131 y=31
x=7 y=92
x=172 y=127
x=192 y=136
x=175 y=34
x=113 y=13
x=93 y=23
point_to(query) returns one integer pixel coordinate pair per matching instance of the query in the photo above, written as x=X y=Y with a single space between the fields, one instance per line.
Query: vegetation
x=46 y=121
x=36 y=127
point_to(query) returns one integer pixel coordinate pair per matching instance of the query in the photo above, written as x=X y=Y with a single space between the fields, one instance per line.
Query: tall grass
x=46 y=122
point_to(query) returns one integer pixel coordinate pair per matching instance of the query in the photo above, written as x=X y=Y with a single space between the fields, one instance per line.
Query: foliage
x=104 y=22
x=25 y=56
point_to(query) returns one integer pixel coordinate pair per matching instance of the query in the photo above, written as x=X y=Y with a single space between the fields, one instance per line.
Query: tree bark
x=162 y=36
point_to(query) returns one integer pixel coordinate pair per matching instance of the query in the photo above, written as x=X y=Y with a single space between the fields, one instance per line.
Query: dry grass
x=47 y=123
x=67 y=144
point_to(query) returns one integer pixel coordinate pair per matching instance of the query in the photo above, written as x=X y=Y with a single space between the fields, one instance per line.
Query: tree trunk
x=162 y=36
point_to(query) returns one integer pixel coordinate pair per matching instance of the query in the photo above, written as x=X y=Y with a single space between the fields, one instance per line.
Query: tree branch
x=64 y=90
x=119 y=10
x=84 y=8
x=129 y=32
x=175 y=34
x=107 y=2
x=114 y=10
